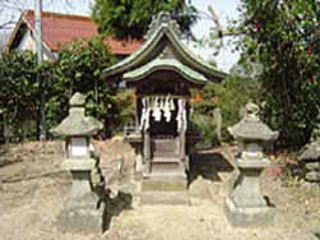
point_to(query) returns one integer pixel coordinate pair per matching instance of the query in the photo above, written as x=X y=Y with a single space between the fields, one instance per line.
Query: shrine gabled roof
x=167 y=64
x=164 y=33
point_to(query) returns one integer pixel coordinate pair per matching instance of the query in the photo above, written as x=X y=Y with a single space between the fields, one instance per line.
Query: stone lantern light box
x=77 y=129
x=78 y=147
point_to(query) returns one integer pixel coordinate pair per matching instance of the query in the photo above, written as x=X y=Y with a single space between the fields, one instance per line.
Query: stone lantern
x=79 y=212
x=246 y=206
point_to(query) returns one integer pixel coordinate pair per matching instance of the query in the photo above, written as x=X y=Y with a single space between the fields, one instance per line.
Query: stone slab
x=164 y=185
x=253 y=164
x=248 y=216
x=313 y=176
x=78 y=164
x=160 y=197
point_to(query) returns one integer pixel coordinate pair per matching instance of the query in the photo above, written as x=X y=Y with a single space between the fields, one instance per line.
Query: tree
x=79 y=69
x=230 y=96
x=131 y=18
x=283 y=38
x=19 y=91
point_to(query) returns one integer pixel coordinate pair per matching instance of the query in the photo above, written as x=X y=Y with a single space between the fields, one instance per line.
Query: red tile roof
x=60 y=28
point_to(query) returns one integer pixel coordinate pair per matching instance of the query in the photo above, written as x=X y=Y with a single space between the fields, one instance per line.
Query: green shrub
x=283 y=38
x=230 y=96
x=78 y=69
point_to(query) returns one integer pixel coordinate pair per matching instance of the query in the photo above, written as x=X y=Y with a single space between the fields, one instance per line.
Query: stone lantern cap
x=311 y=151
x=76 y=123
x=251 y=128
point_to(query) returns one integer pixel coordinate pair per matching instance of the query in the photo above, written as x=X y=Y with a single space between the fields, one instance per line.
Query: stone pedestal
x=80 y=211
x=246 y=206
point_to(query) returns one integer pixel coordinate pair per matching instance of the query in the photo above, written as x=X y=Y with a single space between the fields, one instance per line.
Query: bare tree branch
x=9 y=13
x=214 y=17
x=15 y=8
x=7 y=25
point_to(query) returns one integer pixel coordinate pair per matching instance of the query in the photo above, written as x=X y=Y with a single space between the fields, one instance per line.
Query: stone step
x=164 y=184
x=165 y=175
x=166 y=159
x=160 y=197
x=167 y=167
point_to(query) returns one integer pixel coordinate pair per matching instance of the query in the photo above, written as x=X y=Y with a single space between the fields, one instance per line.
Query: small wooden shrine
x=162 y=72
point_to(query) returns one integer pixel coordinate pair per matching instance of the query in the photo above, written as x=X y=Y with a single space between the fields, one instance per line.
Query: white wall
x=28 y=43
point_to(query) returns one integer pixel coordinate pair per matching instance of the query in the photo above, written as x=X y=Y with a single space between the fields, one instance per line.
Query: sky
x=225 y=9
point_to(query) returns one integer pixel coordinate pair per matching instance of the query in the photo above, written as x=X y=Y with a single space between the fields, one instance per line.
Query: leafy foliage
x=18 y=88
x=78 y=70
x=283 y=37
x=124 y=107
x=130 y=18
x=230 y=96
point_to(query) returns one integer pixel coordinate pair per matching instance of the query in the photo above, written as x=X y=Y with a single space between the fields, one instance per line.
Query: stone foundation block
x=81 y=215
x=248 y=216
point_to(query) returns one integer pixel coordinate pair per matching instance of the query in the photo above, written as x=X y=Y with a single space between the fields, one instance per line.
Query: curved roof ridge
x=193 y=57
x=129 y=59
x=141 y=55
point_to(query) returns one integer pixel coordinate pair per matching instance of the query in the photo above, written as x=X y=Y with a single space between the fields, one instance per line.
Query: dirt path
x=32 y=190
x=204 y=222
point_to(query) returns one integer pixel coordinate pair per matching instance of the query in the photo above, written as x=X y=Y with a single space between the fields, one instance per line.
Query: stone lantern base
x=248 y=216
x=80 y=215
x=80 y=211
x=246 y=206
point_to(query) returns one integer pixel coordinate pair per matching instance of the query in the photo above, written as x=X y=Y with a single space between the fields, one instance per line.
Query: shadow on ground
x=113 y=207
x=3 y=151
x=208 y=165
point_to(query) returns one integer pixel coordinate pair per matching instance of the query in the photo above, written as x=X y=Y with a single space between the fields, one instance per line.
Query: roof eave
x=157 y=65
x=14 y=32
x=188 y=55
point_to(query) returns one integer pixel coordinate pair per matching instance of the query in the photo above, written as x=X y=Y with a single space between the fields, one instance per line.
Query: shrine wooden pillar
x=183 y=130
x=147 y=145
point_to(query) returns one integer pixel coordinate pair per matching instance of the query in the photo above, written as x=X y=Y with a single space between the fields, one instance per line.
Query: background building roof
x=59 y=29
